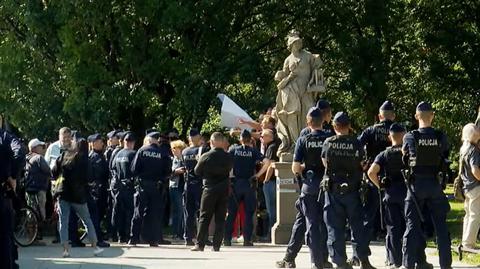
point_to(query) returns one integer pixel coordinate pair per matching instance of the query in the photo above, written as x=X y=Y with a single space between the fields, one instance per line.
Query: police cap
x=387 y=106
x=424 y=107
x=323 y=104
x=94 y=137
x=113 y=133
x=151 y=130
x=341 y=118
x=245 y=134
x=314 y=112
x=155 y=135
x=193 y=132
x=397 y=128
x=129 y=136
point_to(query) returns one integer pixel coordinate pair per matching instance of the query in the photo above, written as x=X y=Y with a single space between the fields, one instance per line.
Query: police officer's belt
x=343 y=188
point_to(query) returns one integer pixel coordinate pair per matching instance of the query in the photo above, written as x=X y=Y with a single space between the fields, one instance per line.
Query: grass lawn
x=455 y=225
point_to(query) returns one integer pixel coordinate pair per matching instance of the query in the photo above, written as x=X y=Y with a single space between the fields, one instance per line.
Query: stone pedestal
x=286 y=197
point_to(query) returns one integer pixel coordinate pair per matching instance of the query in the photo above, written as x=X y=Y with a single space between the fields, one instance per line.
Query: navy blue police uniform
x=375 y=139
x=391 y=164
x=343 y=175
x=98 y=186
x=123 y=190
x=245 y=159
x=323 y=105
x=308 y=150
x=11 y=158
x=426 y=150
x=193 y=190
x=108 y=155
x=151 y=168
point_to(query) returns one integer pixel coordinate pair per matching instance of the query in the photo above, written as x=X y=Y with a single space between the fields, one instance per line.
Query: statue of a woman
x=294 y=98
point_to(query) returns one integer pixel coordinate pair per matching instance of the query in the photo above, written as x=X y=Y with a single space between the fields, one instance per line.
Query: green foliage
x=96 y=65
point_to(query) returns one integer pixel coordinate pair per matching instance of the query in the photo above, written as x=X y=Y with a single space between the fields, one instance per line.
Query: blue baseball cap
x=397 y=128
x=341 y=118
x=323 y=104
x=424 y=107
x=387 y=106
x=314 y=112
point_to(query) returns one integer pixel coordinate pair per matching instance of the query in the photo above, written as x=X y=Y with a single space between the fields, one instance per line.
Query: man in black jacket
x=214 y=169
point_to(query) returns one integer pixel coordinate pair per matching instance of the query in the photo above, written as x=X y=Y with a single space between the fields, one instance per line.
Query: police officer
x=308 y=152
x=193 y=186
x=326 y=109
x=342 y=156
x=123 y=188
x=12 y=157
x=385 y=173
x=213 y=167
x=315 y=132
x=112 y=143
x=425 y=150
x=98 y=184
x=245 y=158
x=375 y=140
x=151 y=167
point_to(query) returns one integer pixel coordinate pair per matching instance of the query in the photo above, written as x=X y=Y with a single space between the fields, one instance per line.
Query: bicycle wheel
x=26 y=226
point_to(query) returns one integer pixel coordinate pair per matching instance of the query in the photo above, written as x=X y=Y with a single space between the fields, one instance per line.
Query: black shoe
x=216 y=249
x=209 y=243
x=366 y=265
x=286 y=264
x=248 y=244
x=77 y=244
x=316 y=266
x=189 y=243
x=354 y=261
x=327 y=265
x=197 y=248
x=154 y=245
x=103 y=244
x=55 y=241
x=132 y=243
x=227 y=243
x=424 y=265
x=165 y=242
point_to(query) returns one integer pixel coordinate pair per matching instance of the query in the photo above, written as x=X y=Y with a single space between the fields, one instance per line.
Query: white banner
x=231 y=114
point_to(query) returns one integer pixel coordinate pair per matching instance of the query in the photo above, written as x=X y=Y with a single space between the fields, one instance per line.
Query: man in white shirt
x=55 y=149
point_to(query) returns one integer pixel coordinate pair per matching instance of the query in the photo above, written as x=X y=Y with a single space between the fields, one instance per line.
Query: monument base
x=286 y=197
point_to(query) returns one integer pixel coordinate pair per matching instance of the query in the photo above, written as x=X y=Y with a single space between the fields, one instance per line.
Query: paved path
x=177 y=256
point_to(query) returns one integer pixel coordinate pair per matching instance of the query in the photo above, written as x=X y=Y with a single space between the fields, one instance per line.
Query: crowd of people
x=128 y=190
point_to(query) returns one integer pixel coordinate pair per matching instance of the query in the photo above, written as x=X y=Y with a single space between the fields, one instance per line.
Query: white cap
x=35 y=142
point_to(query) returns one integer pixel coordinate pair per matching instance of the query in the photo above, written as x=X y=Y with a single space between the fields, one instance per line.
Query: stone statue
x=299 y=82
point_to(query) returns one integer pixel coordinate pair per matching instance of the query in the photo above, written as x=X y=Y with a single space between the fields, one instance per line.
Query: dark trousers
x=395 y=224
x=191 y=202
x=371 y=215
x=8 y=249
x=428 y=193
x=316 y=232
x=297 y=237
x=214 y=202
x=339 y=208
x=123 y=211
x=241 y=193
x=148 y=214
